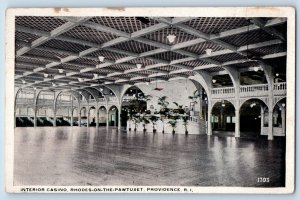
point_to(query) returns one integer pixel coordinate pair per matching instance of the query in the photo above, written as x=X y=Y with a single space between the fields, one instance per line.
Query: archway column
x=119 y=117
x=54 y=118
x=237 y=132
x=107 y=118
x=262 y=117
x=270 y=125
x=97 y=118
x=79 y=117
x=88 y=118
x=209 y=126
x=35 y=117
x=283 y=119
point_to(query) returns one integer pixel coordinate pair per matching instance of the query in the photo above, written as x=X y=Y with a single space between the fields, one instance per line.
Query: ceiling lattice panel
x=269 y=50
x=125 y=24
x=214 y=69
x=213 y=25
x=44 y=53
x=41 y=23
x=228 y=57
x=195 y=63
x=66 y=46
x=133 y=46
x=250 y=37
x=168 y=56
x=25 y=37
x=31 y=60
x=89 y=34
x=107 y=54
x=201 y=47
x=169 y=68
x=143 y=61
x=161 y=36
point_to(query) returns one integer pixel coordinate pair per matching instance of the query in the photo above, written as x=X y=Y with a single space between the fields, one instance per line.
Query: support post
x=209 y=128
x=262 y=116
x=35 y=117
x=107 y=119
x=97 y=118
x=270 y=125
x=119 y=118
x=88 y=118
x=237 y=132
x=54 y=118
x=79 y=117
x=283 y=119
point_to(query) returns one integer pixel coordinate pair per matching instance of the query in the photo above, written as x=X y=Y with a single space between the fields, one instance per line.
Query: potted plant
x=173 y=123
x=145 y=121
x=136 y=120
x=153 y=119
x=162 y=101
x=185 y=119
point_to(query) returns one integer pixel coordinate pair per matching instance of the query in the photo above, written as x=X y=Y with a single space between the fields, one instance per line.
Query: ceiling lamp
x=23 y=81
x=45 y=75
x=95 y=76
x=171 y=38
x=147 y=83
x=80 y=79
x=214 y=80
x=60 y=71
x=256 y=69
x=101 y=89
x=283 y=105
x=223 y=104
x=208 y=51
x=277 y=74
x=34 y=88
x=101 y=58
x=53 y=84
x=139 y=66
x=252 y=105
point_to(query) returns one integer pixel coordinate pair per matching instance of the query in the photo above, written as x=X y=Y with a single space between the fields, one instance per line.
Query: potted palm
x=162 y=101
x=173 y=124
x=145 y=121
x=153 y=119
x=136 y=120
x=185 y=119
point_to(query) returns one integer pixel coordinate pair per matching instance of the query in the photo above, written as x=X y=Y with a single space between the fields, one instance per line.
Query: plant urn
x=129 y=129
x=186 y=132
x=154 y=130
x=173 y=132
x=135 y=129
x=163 y=132
x=144 y=130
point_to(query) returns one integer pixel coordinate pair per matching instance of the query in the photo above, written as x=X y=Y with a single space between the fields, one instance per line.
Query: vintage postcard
x=150 y=100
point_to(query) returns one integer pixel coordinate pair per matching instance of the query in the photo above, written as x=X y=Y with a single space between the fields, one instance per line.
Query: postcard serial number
x=263 y=179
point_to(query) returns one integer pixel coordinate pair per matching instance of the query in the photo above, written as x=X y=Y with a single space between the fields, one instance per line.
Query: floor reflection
x=96 y=156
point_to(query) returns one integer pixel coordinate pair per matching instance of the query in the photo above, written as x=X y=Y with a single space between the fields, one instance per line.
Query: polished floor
x=89 y=156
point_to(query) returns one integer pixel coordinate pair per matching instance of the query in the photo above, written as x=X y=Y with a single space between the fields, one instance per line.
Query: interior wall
x=176 y=91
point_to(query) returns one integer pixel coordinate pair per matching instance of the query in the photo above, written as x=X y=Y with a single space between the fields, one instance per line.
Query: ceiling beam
x=270 y=30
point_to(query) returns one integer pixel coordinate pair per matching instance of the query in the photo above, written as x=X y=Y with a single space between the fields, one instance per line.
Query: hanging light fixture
x=101 y=89
x=101 y=58
x=95 y=76
x=171 y=38
x=147 y=83
x=256 y=69
x=23 y=81
x=139 y=66
x=45 y=75
x=283 y=105
x=80 y=79
x=276 y=74
x=214 y=80
x=60 y=71
x=208 y=51
x=34 y=88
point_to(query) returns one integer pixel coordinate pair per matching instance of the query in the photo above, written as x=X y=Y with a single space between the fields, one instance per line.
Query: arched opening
x=63 y=116
x=253 y=118
x=45 y=116
x=83 y=117
x=102 y=112
x=113 y=116
x=75 y=117
x=134 y=101
x=279 y=118
x=92 y=116
x=24 y=117
x=223 y=117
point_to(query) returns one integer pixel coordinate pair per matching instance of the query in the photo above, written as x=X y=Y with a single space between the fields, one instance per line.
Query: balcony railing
x=253 y=88
x=223 y=90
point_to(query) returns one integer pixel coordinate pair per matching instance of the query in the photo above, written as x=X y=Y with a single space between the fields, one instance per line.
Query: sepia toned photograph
x=150 y=100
